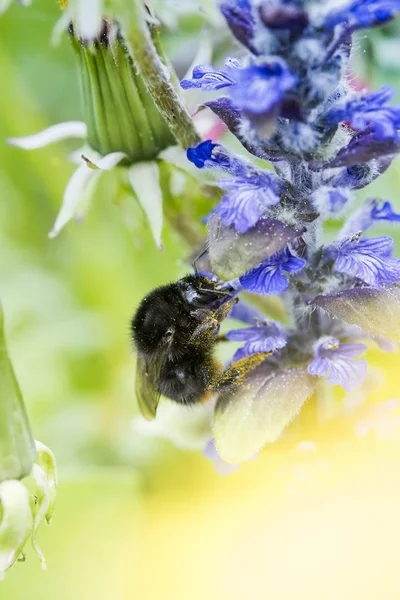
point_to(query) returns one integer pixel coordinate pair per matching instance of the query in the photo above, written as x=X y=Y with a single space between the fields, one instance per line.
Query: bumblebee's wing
x=147 y=380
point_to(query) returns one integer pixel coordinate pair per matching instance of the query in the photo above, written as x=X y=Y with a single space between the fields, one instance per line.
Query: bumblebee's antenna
x=198 y=257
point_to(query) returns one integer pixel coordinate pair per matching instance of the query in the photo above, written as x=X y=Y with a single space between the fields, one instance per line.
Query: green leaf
x=232 y=254
x=257 y=412
x=377 y=312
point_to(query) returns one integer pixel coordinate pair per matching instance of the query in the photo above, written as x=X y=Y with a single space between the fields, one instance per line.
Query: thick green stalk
x=157 y=77
x=17 y=448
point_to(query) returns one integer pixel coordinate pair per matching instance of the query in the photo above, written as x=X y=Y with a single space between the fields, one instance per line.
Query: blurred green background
x=137 y=518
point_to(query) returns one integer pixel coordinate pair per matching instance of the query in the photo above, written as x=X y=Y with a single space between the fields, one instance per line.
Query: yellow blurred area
x=315 y=516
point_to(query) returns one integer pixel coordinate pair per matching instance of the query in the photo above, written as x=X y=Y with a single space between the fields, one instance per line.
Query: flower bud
x=15 y=522
x=120 y=114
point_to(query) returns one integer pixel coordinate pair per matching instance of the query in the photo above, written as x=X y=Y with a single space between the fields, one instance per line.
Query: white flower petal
x=88 y=17
x=41 y=508
x=74 y=192
x=15 y=522
x=145 y=181
x=55 y=133
x=60 y=28
x=109 y=161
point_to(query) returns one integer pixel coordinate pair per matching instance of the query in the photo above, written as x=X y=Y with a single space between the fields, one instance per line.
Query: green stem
x=158 y=82
x=17 y=448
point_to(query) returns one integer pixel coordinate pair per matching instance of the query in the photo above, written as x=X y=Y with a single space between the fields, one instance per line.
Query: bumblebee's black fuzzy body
x=174 y=332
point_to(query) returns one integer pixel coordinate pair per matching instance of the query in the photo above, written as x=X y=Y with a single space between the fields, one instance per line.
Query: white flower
x=143 y=177
x=24 y=505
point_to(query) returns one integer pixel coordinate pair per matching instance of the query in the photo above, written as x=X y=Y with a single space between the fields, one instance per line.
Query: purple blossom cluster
x=287 y=100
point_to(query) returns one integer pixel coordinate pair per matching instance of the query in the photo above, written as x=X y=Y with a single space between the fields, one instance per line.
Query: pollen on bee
x=236 y=372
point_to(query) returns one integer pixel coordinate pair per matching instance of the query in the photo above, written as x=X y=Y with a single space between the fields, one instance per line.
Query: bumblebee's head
x=201 y=292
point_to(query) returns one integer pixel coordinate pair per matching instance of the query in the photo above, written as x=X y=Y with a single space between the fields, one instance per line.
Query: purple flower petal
x=268 y=277
x=336 y=362
x=246 y=313
x=247 y=200
x=369 y=111
x=239 y=17
x=267 y=337
x=368 y=260
x=370 y=212
x=207 y=78
x=207 y=154
x=236 y=123
x=363 y=13
x=259 y=88
x=384 y=212
x=362 y=148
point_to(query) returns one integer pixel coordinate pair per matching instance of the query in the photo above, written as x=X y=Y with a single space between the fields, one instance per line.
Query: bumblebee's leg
x=223 y=311
x=206 y=330
x=221 y=338
x=236 y=372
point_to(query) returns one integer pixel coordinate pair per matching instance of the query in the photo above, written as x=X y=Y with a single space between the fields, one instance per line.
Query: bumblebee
x=174 y=332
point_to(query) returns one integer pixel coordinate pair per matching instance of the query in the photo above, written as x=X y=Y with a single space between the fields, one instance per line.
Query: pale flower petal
x=79 y=186
x=88 y=17
x=42 y=503
x=55 y=133
x=74 y=192
x=15 y=522
x=46 y=460
x=145 y=181
x=109 y=161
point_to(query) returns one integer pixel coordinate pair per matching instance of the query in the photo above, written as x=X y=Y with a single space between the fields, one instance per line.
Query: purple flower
x=246 y=313
x=383 y=212
x=370 y=111
x=367 y=259
x=266 y=337
x=336 y=362
x=362 y=148
x=363 y=13
x=370 y=212
x=268 y=277
x=260 y=87
x=207 y=78
x=210 y=155
x=247 y=200
x=359 y=176
x=255 y=90
x=240 y=20
x=237 y=124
